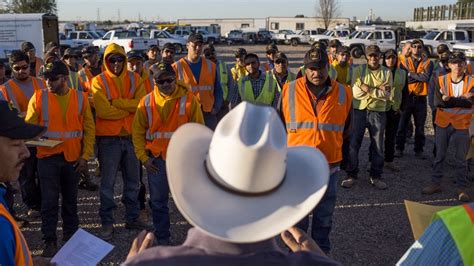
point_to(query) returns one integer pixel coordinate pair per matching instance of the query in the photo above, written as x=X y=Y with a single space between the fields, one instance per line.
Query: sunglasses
x=163 y=81
x=281 y=61
x=18 y=68
x=416 y=46
x=116 y=59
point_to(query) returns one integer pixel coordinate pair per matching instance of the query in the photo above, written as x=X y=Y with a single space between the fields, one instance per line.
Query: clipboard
x=47 y=143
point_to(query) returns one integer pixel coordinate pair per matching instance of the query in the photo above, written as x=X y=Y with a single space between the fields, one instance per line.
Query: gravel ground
x=370 y=227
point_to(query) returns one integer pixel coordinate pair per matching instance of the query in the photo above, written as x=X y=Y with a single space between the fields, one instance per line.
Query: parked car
x=163 y=37
x=467 y=49
x=129 y=40
x=385 y=39
x=234 y=36
x=280 y=37
x=328 y=35
x=436 y=37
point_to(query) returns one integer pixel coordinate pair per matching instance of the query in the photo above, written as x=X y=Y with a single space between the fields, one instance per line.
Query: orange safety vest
x=106 y=127
x=323 y=130
x=158 y=132
x=417 y=88
x=204 y=90
x=459 y=118
x=68 y=129
x=85 y=77
x=148 y=83
x=19 y=98
x=22 y=252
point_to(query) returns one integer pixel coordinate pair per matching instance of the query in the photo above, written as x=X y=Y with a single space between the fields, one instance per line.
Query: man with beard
x=35 y=62
x=18 y=91
x=159 y=114
x=91 y=68
x=67 y=115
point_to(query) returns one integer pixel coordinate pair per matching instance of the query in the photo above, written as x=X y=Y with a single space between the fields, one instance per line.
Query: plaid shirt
x=257 y=86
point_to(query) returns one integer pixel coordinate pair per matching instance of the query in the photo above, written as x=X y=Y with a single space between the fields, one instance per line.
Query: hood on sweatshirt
x=115 y=49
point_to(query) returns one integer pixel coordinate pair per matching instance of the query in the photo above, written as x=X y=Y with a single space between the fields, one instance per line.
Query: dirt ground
x=370 y=227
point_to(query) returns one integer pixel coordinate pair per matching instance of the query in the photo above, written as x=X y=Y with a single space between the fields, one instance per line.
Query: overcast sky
x=175 y=9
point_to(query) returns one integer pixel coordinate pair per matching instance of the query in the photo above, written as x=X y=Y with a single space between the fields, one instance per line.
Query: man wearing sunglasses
x=281 y=73
x=257 y=87
x=35 y=62
x=371 y=90
x=70 y=59
x=203 y=76
x=270 y=51
x=116 y=93
x=159 y=114
x=92 y=66
x=419 y=70
x=66 y=114
x=18 y=91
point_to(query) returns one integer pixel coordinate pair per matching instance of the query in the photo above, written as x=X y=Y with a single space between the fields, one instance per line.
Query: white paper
x=82 y=249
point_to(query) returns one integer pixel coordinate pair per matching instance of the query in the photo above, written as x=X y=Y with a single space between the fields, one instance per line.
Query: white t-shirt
x=457 y=88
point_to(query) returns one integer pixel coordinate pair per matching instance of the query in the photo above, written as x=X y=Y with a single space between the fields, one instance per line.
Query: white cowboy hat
x=242 y=184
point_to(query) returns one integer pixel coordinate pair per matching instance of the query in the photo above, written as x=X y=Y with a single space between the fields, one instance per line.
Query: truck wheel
x=357 y=52
x=294 y=42
x=178 y=48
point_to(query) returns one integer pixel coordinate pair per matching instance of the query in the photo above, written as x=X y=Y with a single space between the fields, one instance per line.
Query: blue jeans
x=460 y=139
x=375 y=122
x=417 y=106
x=159 y=197
x=322 y=216
x=112 y=153
x=58 y=176
x=210 y=120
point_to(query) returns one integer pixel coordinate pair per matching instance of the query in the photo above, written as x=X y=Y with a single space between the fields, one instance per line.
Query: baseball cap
x=442 y=48
x=389 y=53
x=134 y=54
x=161 y=69
x=169 y=46
x=315 y=57
x=13 y=126
x=343 y=50
x=50 y=46
x=154 y=47
x=417 y=41
x=196 y=37
x=271 y=48
x=69 y=53
x=319 y=45
x=281 y=55
x=456 y=57
x=334 y=42
x=55 y=68
x=26 y=46
x=88 y=51
x=372 y=49
x=240 y=53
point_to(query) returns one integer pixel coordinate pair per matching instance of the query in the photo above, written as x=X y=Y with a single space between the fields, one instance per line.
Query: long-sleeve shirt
x=218 y=94
x=414 y=77
x=33 y=117
x=7 y=244
x=164 y=106
x=257 y=86
x=452 y=102
x=375 y=99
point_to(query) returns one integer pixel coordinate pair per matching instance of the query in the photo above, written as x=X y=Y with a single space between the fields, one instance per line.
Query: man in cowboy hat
x=261 y=187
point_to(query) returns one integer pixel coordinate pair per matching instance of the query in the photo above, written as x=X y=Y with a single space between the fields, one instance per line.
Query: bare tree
x=32 y=6
x=328 y=10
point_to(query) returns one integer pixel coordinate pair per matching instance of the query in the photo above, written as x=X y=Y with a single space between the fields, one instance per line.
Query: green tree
x=32 y=6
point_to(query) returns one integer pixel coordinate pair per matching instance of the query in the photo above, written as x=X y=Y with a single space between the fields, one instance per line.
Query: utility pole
x=98 y=14
x=118 y=15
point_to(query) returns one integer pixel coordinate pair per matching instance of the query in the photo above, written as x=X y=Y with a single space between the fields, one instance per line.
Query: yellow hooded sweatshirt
x=118 y=108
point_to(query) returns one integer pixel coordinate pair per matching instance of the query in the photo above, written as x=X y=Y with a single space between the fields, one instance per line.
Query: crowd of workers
x=123 y=108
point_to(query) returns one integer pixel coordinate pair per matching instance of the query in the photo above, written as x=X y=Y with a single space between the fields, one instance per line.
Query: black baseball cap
x=196 y=38
x=26 y=46
x=169 y=46
x=134 y=54
x=419 y=41
x=457 y=57
x=240 y=53
x=389 y=53
x=442 y=48
x=372 y=49
x=55 y=68
x=13 y=126
x=271 y=48
x=316 y=58
x=319 y=45
x=88 y=51
x=161 y=69
x=154 y=47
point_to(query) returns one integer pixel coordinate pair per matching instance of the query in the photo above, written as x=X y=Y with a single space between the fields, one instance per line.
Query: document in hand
x=82 y=249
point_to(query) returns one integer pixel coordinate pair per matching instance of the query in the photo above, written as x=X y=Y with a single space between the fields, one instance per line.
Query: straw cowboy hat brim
x=234 y=217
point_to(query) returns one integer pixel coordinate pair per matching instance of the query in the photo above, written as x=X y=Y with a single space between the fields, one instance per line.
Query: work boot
x=137 y=224
x=50 y=248
x=398 y=153
x=106 y=232
x=392 y=166
x=347 y=182
x=463 y=196
x=86 y=183
x=379 y=184
x=432 y=188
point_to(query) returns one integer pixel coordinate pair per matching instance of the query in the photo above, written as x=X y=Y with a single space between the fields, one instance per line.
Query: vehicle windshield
x=95 y=34
x=287 y=32
x=125 y=34
x=364 y=35
x=327 y=33
x=352 y=35
x=430 y=35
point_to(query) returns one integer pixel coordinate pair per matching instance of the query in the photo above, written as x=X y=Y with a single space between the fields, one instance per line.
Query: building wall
x=285 y=23
x=442 y=24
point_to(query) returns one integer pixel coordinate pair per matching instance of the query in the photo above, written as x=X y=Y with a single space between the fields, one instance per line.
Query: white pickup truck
x=384 y=39
x=467 y=49
x=127 y=39
x=210 y=38
x=163 y=37
x=437 y=37
x=329 y=35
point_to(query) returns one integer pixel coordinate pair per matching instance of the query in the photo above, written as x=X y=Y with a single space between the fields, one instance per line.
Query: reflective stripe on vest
x=180 y=70
x=74 y=81
x=457 y=111
x=106 y=85
x=161 y=135
x=293 y=125
x=11 y=96
x=224 y=79
x=45 y=116
x=197 y=87
x=459 y=221
x=107 y=88
x=83 y=75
